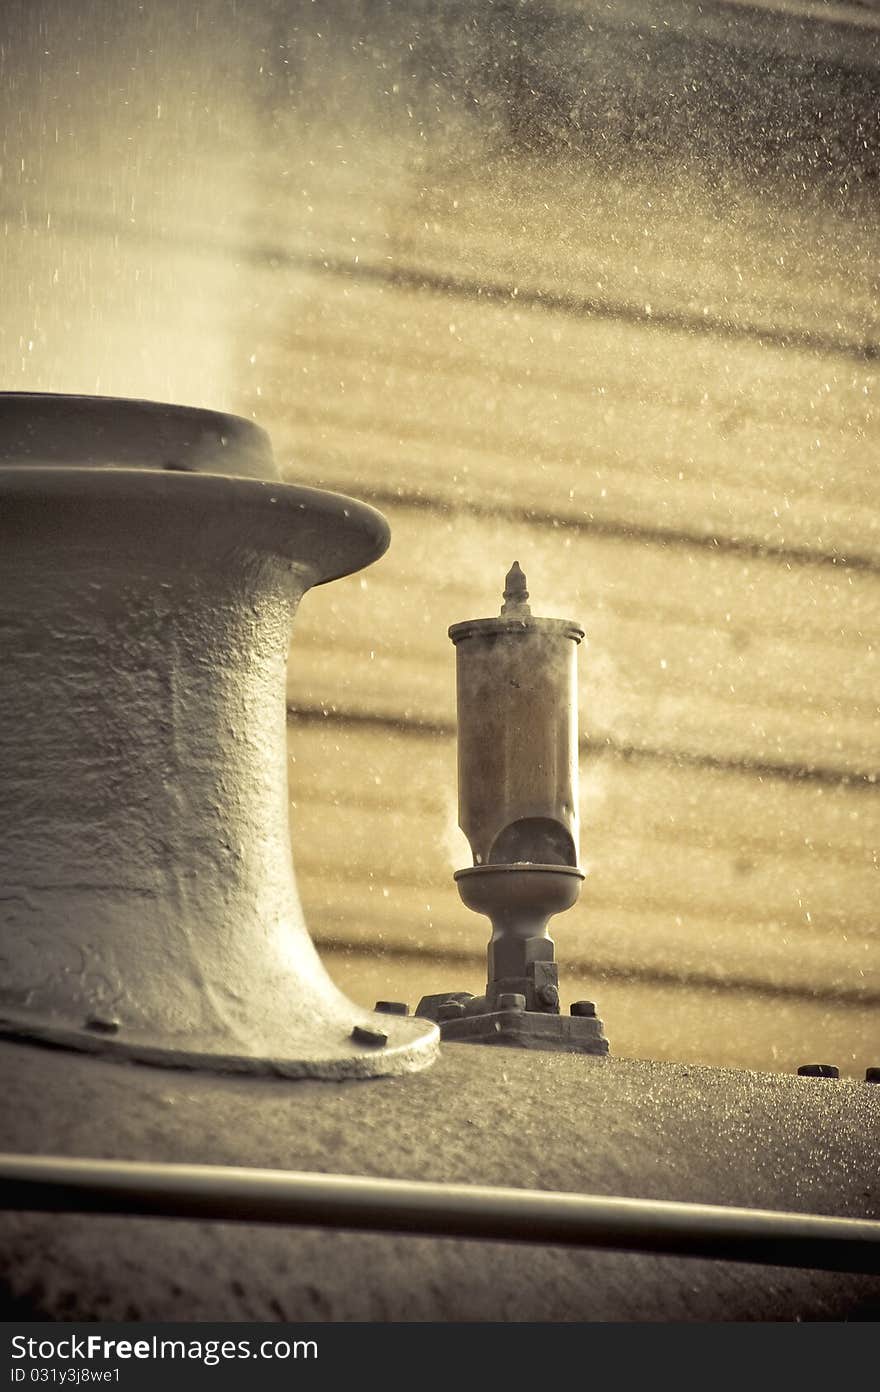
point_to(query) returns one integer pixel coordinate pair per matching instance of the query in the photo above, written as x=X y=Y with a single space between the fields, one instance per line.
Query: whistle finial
x=515 y=593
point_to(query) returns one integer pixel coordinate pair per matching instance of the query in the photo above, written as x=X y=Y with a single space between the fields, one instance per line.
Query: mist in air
x=540 y=281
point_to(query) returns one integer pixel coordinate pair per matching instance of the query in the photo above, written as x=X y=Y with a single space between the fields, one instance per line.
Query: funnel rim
x=361 y=533
x=514 y=627
x=76 y=430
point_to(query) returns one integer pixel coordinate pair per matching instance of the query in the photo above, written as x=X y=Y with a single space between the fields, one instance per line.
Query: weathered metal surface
x=149 y=903
x=550 y=1121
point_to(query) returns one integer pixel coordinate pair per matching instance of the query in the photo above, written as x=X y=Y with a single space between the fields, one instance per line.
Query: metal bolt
x=511 y=1001
x=363 y=1034
x=450 y=1010
x=872 y=1075
x=818 y=1070
x=548 y=995
x=102 y=1024
x=583 y=1008
x=391 y=1008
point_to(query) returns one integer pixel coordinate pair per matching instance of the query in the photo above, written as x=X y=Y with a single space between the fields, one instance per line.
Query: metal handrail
x=54 y=1184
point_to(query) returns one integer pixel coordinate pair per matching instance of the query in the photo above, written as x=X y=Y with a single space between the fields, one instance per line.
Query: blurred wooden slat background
x=593 y=287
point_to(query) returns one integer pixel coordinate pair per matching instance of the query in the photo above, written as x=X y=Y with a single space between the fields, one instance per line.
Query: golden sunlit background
x=592 y=286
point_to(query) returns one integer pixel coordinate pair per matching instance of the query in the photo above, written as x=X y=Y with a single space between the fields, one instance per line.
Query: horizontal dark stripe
x=640 y=975
x=812 y=773
x=502 y=509
x=575 y=306
x=488 y=292
x=319 y=716
x=865 y=781
x=411 y=278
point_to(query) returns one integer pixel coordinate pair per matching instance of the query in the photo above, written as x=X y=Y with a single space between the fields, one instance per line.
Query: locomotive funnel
x=151 y=562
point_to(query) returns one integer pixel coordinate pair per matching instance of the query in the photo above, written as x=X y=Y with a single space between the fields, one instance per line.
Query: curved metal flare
x=150 y=908
x=519 y=900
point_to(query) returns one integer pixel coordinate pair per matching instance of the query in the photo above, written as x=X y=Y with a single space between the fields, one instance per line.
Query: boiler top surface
x=483 y=1116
